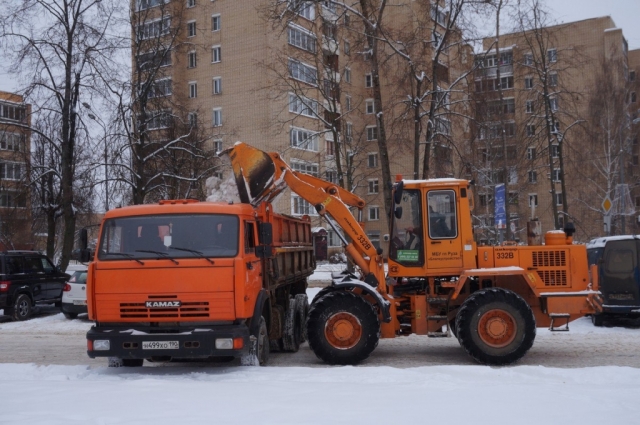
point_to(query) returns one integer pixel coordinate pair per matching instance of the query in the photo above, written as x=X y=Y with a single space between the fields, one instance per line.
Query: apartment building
x=15 y=139
x=293 y=77
x=541 y=101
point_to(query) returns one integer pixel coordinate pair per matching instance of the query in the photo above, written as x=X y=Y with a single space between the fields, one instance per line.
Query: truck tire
x=495 y=326
x=70 y=315
x=22 y=308
x=597 y=319
x=343 y=328
x=302 y=310
x=292 y=332
x=258 y=354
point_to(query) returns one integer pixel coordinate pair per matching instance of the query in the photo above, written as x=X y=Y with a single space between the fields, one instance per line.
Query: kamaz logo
x=162 y=304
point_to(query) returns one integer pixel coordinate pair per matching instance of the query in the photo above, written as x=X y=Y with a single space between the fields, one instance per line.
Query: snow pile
x=222 y=191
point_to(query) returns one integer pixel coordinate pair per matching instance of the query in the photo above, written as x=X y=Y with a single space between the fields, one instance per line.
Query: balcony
x=493 y=71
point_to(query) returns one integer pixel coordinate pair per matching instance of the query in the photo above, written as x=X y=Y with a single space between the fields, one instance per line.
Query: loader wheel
x=302 y=310
x=343 y=328
x=324 y=291
x=292 y=334
x=495 y=326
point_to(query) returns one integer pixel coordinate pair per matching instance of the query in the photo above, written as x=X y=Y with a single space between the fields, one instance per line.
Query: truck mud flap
x=350 y=281
x=263 y=297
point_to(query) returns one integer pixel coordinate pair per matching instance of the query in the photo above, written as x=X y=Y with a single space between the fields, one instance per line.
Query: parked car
x=74 y=295
x=618 y=261
x=28 y=278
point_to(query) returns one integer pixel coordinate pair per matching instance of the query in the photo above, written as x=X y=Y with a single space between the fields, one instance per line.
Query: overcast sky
x=625 y=13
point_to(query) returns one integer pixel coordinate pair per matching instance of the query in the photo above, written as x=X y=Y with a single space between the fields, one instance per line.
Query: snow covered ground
x=455 y=392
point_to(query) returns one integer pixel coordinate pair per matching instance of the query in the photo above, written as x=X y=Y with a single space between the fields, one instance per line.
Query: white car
x=74 y=295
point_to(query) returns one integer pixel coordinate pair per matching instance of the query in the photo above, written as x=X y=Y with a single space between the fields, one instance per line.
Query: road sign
x=500 y=211
x=607 y=204
x=512 y=226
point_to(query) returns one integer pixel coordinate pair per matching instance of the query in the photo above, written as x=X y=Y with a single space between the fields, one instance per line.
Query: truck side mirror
x=397 y=195
x=397 y=212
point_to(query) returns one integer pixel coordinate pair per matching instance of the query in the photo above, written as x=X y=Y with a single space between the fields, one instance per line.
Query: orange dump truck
x=188 y=279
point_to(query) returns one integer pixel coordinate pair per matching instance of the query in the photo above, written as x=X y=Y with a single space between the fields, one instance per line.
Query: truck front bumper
x=189 y=343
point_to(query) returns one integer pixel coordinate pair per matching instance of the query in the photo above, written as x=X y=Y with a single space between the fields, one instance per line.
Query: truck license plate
x=160 y=345
x=79 y=302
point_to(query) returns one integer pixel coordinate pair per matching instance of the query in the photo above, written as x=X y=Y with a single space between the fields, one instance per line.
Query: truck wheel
x=22 y=308
x=292 y=335
x=343 y=328
x=597 y=319
x=258 y=354
x=302 y=310
x=495 y=326
x=70 y=315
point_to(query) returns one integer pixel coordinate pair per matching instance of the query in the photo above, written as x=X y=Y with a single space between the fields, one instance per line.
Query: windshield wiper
x=164 y=254
x=198 y=253
x=124 y=254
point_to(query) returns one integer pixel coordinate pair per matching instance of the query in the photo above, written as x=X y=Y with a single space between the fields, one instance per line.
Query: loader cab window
x=442 y=214
x=407 y=235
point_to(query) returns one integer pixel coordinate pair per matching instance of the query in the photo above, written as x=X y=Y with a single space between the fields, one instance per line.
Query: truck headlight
x=224 y=344
x=101 y=345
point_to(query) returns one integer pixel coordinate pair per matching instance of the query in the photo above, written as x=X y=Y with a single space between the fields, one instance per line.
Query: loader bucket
x=254 y=172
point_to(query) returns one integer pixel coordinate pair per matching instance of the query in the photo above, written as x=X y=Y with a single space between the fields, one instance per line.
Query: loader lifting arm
x=261 y=176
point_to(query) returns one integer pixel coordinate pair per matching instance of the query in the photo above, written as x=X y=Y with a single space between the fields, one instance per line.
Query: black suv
x=28 y=278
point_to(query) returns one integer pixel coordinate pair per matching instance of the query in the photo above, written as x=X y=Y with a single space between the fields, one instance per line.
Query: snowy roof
x=600 y=242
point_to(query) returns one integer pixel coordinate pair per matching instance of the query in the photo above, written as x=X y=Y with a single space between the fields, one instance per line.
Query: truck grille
x=549 y=258
x=553 y=277
x=187 y=309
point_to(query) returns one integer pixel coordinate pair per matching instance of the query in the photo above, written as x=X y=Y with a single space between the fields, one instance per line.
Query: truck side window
x=442 y=214
x=14 y=265
x=249 y=237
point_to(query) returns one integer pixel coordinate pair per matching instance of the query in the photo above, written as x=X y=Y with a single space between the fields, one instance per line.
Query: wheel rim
x=343 y=330
x=23 y=308
x=497 y=328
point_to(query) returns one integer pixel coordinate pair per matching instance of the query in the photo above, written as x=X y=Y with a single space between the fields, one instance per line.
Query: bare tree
x=58 y=47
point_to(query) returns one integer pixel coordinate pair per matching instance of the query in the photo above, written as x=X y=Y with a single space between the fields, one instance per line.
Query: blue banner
x=499 y=204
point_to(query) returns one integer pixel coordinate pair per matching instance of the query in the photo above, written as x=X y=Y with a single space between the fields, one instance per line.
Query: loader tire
x=292 y=333
x=495 y=326
x=343 y=328
x=324 y=291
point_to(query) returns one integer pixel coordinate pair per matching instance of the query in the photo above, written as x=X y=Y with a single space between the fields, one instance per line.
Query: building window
x=531 y=153
x=438 y=14
x=155 y=59
x=556 y=175
x=533 y=200
x=333 y=239
x=301 y=207
x=369 y=106
x=12 y=142
x=635 y=160
x=374 y=213
x=191 y=29
x=529 y=106
x=513 y=198
x=347 y=48
x=531 y=130
x=11 y=170
x=331 y=176
x=348 y=131
x=555 y=151
x=372 y=160
x=633 y=97
x=217 y=117
x=161 y=88
x=158 y=120
x=372 y=133
x=330 y=146
x=217 y=145
x=301 y=38
x=558 y=198
x=303 y=106
x=305 y=9
x=347 y=75
x=193 y=89
x=368 y=80
x=373 y=186
x=533 y=176
x=553 y=103
x=192 y=119
x=217 y=85
x=632 y=75
x=215 y=22
x=153 y=29
x=148 y=4
x=304 y=139
x=305 y=167
x=528 y=59
x=552 y=55
x=12 y=200
x=216 y=54
x=506 y=82
x=528 y=83
x=191 y=3
x=191 y=59
x=553 y=80
x=303 y=72
x=347 y=103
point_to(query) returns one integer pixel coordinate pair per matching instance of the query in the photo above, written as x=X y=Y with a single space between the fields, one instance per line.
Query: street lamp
x=106 y=178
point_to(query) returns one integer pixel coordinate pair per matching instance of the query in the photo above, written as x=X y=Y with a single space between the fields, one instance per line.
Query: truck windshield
x=175 y=235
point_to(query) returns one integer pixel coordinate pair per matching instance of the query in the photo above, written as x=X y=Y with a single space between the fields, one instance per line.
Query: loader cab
x=427 y=230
